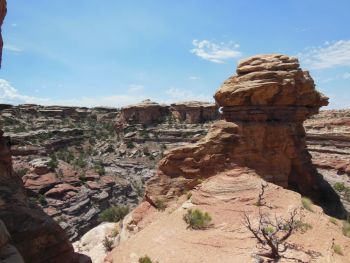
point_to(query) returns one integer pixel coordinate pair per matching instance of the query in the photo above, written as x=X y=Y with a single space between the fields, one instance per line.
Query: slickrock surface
x=38 y=238
x=165 y=237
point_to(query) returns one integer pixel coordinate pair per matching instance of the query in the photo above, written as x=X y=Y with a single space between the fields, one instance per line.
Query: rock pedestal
x=264 y=107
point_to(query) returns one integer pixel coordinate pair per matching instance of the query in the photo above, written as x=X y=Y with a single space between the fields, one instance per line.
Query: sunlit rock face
x=264 y=106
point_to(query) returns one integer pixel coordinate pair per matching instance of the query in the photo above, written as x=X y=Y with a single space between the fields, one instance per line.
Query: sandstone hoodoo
x=264 y=107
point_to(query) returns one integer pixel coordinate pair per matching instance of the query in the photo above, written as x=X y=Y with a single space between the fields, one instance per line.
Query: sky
x=115 y=53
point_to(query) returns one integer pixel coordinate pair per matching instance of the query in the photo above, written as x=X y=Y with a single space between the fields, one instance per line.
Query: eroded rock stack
x=264 y=106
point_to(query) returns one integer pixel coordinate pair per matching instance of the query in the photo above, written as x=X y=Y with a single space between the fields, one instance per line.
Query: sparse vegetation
x=107 y=244
x=99 y=168
x=307 y=203
x=272 y=234
x=145 y=259
x=130 y=145
x=53 y=163
x=160 y=204
x=346 y=229
x=340 y=187
x=113 y=214
x=333 y=220
x=196 y=219
x=22 y=172
x=338 y=249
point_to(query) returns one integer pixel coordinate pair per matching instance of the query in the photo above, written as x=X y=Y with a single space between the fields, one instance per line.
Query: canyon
x=262 y=153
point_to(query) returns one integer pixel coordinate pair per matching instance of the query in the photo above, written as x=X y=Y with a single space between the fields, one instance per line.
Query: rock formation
x=194 y=111
x=151 y=113
x=3 y=10
x=147 y=112
x=264 y=107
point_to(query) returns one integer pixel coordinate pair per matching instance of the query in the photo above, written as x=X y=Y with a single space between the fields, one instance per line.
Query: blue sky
x=113 y=53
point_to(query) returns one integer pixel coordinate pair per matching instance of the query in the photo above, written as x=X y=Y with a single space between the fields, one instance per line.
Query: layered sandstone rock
x=264 y=107
x=3 y=11
x=147 y=112
x=37 y=237
x=194 y=111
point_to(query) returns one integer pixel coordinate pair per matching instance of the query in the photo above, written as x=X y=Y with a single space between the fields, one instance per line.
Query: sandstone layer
x=264 y=107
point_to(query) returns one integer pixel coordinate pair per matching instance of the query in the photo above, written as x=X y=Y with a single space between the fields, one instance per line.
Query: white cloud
x=193 y=78
x=135 y=88
x=10 y=95
x=12 y=48
x=176 y=94
x=215 y=52
x=346 y=75
x=328 y=55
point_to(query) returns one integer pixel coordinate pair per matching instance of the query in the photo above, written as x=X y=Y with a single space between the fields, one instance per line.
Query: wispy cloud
x=135 y=88
x=12 y=48
x=346 y=75
x=215 y=52
x=329 y=55
x=193 y=78
x=10 y=95
x=176 y=94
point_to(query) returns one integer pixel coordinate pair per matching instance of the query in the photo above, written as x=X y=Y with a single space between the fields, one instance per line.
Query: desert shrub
x=42 y=200
x=337 y=249
x=145 y=259
x=340 y=187
x=80 y=162
x=99 y=168
x=302 y=226
x=196 y=219
x=53 y=163
x=346 y=229
x=113 y=214
x=22 y=172
x=107 y=244
x=160 y=204
x=307 y=203
x=130 y=145
x=333 y=220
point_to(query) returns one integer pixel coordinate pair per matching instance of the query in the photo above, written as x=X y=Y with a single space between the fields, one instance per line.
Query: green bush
x=53 y=163
x=22 y=172
x=107 y=244
x=307 y=203
x=340 y=187
x=99 y=168
x=196 y=219
x=145 y=259
x=337 y=249
x=113 y=214
x=346 y=229
x=160 y=204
